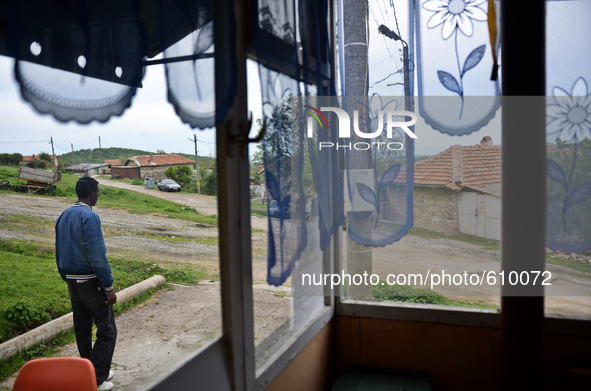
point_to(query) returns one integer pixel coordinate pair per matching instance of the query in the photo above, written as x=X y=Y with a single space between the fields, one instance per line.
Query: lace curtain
x=77 y=63
x=568 y=129
x=294 y=68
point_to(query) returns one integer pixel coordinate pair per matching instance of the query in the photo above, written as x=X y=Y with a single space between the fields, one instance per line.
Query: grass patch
x=405 y=293
x=258 y=212
x=487 y=244
x=138 y=203
x=28 y=223
x=209 y=240
x=135 y=181
x=571 y=264
x=128 y=200
x=408 y=294
x=388 y=226
x=258 y=209
x=10 y=173
x=29 y=271
x=470 y=304
x=168 y=239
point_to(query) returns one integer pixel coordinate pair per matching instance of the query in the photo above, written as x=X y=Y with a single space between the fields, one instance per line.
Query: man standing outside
x=81 y=258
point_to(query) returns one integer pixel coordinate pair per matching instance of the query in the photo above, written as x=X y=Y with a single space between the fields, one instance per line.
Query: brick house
x=457 y=190
x=150 y=166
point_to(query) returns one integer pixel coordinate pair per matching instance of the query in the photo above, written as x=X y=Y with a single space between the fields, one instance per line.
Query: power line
x=24 y=142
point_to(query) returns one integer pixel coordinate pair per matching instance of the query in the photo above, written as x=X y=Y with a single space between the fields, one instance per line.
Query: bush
x=183 y=175
x=36 y=163
x=24 y=313
x=209 y=182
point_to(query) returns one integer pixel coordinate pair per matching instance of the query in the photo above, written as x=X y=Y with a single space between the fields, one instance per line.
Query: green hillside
x=93 y=155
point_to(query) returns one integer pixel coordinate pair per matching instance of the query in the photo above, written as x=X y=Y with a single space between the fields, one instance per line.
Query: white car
x=168 y=185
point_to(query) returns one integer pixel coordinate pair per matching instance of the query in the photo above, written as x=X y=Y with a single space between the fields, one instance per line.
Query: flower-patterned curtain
x=455 y=64
x=568 y=129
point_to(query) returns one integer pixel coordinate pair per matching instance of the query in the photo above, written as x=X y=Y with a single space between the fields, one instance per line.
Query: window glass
x=281 y=309
x=448 y=189
x=568 y=146
x=147 y=232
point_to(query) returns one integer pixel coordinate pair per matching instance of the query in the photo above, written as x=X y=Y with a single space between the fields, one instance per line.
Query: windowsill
x=474 y=317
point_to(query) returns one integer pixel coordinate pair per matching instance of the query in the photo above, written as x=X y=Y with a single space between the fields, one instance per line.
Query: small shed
x=89 y=169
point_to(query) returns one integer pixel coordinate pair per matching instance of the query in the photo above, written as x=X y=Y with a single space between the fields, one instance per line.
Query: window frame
x=228 y=362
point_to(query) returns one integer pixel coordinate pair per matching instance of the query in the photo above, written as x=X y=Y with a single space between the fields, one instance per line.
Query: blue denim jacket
x=80 y=250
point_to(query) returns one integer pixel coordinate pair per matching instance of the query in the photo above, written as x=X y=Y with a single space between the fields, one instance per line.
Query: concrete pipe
x=47 y=331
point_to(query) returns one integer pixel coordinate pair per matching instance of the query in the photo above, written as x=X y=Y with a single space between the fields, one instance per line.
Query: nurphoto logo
x=392 y=121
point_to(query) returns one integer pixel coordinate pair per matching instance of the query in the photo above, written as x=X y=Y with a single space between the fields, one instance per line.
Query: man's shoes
x=111 y=374
x=105 y=386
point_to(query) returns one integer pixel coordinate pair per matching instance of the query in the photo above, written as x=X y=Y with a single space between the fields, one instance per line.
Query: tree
x=45 y=157
x=11 y=158
x=16 y=158
x=160 y=152
x=183 y=175
x=209 y=181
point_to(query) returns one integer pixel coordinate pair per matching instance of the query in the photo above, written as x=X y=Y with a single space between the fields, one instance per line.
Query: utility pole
x=100 y=154
x=73 y=162
x=53 y=156
x=359 y=257
x=194 y=140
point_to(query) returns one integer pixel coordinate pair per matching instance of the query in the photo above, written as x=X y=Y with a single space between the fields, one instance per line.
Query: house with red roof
x=150 y=166
x=458 y=190
x=113 y=162
x=27 y=158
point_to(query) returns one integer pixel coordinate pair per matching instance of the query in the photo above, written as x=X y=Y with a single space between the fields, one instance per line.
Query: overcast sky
x=151 y=123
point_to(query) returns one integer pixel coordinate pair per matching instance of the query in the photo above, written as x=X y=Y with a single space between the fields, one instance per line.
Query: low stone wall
x=436 y=209
x=157 y=172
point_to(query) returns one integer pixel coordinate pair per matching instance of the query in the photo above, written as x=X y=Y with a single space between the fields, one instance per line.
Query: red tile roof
x=475 y=166
x=160 y=160
x=113 y=162
x=28 y=158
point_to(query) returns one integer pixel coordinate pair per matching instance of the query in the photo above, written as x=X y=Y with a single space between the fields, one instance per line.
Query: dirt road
x=568 y=295
x=206 y=205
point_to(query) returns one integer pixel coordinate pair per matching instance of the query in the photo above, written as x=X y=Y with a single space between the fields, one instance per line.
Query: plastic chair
x=56 y=374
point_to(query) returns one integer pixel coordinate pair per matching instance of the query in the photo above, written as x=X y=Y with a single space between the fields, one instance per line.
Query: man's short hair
x=85 y=185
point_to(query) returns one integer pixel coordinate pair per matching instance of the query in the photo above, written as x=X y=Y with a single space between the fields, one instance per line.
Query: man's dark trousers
x=88 y=304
